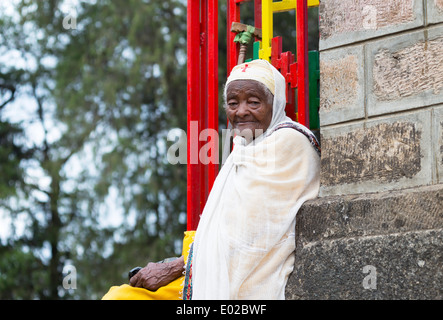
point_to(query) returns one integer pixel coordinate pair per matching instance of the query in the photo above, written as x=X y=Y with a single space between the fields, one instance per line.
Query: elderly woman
x=244 y=244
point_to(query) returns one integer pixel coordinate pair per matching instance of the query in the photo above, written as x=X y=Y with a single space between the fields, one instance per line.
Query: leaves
x=100 y=194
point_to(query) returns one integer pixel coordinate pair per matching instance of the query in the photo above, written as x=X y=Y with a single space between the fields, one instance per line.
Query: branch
x=12 y=90
x=40 y=113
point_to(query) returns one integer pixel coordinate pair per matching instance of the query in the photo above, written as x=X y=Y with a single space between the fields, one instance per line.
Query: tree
x=105 y=94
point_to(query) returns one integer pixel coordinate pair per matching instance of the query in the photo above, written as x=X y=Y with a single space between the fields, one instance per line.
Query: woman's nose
x=242 y=109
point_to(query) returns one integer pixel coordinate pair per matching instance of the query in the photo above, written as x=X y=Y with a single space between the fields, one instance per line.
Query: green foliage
x=11 y=154
x=22 y=274
x=106 y=95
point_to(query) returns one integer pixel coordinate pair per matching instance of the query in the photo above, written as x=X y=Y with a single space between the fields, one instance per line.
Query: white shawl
x=245 y=241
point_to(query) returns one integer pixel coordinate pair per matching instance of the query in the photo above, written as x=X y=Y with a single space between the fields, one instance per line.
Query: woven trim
x=187 y=285
x=306 y=132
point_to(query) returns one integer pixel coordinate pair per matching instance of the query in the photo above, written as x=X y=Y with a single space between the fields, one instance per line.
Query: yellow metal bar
x=268 y=9
x=267 y=29
x=286 y=5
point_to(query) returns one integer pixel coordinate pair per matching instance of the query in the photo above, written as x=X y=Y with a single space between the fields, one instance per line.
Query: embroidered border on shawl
x=187 y=286
x=294 y=125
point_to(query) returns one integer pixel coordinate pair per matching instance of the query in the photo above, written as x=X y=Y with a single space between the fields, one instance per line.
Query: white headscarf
x=265 y=73
x=244 y=244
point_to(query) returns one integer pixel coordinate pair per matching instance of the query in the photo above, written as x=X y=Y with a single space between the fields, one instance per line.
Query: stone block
x=371 y=214
x=434 y=11
x=342 y=85
x=404 y=266
x=398 y=236
x=349 y=21
x=405 y=71
x=386 y=153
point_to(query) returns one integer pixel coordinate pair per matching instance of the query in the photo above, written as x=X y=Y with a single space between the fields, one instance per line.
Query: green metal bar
x=255 y=50
x=314 y=93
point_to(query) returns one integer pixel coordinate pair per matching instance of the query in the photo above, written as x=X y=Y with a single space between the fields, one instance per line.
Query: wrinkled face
x=249 y=107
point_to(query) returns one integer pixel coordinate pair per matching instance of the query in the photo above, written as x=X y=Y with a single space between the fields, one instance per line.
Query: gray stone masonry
x=342 y=85
x=374 y=246
x=405 y=71
x=350 y=21
x=376 y=155
x=376 y=229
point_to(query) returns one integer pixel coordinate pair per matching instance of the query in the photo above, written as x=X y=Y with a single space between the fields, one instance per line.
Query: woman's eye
x=232 y=104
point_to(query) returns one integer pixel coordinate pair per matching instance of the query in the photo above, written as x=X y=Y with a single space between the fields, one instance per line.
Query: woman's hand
x=156 y=275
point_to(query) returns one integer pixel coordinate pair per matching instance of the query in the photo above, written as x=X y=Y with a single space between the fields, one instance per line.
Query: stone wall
x=381 y=99
x=381 y=119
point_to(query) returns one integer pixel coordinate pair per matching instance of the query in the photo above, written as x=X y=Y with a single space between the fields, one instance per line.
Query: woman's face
x=248 y=107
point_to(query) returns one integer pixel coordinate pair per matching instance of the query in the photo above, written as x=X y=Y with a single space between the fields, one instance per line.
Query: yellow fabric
x=172 y=291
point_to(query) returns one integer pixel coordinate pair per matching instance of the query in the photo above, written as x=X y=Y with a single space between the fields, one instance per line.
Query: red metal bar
x=276 y=48
x=202 y=103
x=257 y=15
x=302 y=63
x=213 y=86
x=287 y=58
x=193 y=112
x=233 y=48
x=203 y=86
